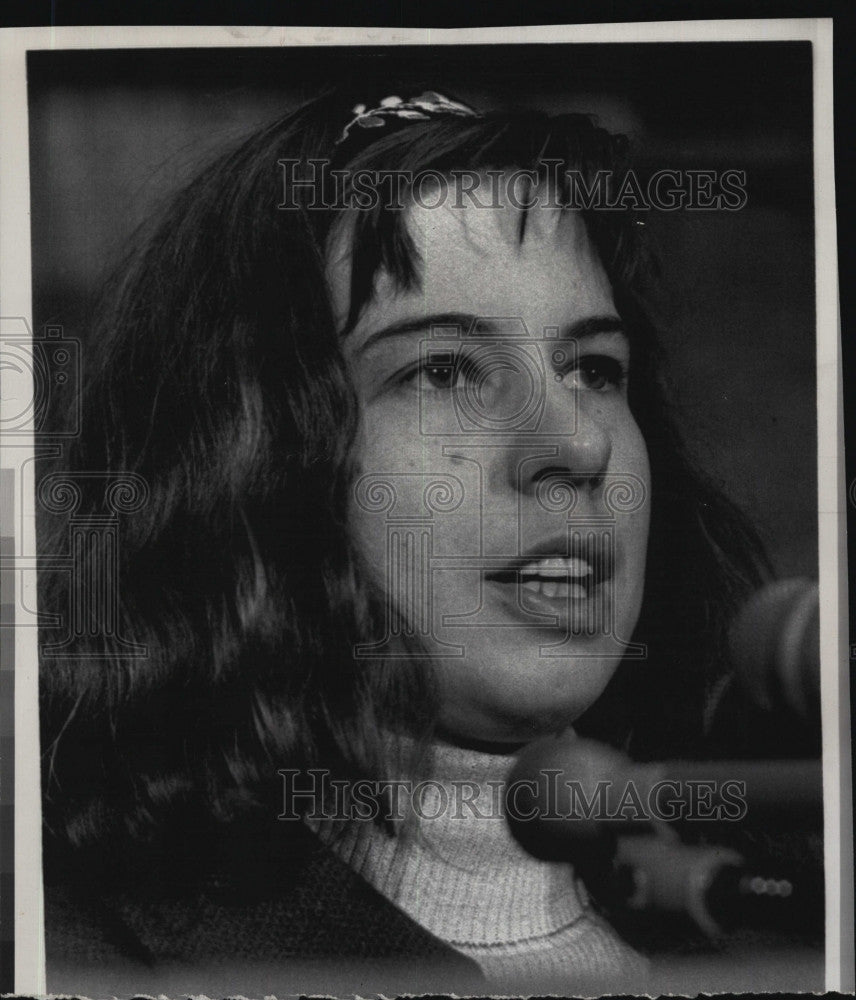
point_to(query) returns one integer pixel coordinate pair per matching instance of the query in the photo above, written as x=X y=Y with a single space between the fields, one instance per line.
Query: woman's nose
x=573 y=442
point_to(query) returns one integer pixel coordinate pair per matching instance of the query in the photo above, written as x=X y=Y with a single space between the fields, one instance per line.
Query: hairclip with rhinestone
x=423 y=107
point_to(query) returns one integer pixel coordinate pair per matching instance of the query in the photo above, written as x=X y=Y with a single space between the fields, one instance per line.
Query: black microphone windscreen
x=775 y=646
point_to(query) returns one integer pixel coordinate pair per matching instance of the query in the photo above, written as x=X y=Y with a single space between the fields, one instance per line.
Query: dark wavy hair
x=215 y=374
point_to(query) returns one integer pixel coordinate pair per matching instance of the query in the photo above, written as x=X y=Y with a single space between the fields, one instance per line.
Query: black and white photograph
x=418 y=458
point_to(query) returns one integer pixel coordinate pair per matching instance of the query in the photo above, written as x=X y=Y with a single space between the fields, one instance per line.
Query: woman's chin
x=509 y=706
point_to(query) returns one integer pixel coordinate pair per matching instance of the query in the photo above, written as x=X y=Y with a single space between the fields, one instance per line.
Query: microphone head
x=775 y=646
x=557 y=794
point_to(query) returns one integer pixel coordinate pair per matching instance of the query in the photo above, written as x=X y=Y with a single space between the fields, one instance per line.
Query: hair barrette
x=424 y=107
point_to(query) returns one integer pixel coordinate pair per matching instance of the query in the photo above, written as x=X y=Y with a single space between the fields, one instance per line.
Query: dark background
x=112 y=134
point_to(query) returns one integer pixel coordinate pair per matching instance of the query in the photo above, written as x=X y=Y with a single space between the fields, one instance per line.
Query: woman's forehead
x=500 y=248
x=461 y=226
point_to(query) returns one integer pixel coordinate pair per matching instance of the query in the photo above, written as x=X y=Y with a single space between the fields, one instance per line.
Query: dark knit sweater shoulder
x=278 y=911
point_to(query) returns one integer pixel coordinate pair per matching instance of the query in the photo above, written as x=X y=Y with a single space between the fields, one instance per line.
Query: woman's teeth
x=555 y=588
x=557 y=577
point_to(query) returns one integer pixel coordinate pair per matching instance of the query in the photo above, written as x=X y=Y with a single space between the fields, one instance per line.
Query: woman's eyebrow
x=475 y=326
x=420 y=324
x=592 y=326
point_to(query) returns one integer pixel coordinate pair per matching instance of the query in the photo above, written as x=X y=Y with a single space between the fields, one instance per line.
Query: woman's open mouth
x=557 y=577
x=574 y=588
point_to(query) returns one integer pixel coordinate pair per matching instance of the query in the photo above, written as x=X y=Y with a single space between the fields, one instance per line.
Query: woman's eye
x=599 y=372
x=440 y=375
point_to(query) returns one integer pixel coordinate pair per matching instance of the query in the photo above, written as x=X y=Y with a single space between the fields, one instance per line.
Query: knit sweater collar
x=453 y=865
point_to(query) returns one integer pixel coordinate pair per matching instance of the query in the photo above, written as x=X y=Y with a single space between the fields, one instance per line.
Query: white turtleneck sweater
x=464 y=878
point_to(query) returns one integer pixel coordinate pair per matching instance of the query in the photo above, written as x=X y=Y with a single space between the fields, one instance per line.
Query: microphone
x=573 y=799
x=774 y=643
x=564 y=793
x=715 y=886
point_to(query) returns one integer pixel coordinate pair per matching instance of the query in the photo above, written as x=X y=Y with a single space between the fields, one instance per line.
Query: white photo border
x=15 y=296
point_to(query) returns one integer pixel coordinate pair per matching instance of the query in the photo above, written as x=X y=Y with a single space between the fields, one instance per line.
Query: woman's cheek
x=384 y=487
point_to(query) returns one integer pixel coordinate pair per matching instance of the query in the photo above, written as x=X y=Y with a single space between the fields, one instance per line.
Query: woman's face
x=496 y=444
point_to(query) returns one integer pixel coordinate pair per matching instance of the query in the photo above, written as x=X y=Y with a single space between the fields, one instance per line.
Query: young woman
x=412 y=500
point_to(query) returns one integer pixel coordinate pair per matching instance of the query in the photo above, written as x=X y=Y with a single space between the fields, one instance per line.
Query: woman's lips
x=572 y=593
x=558 y=577
x=575 y=608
